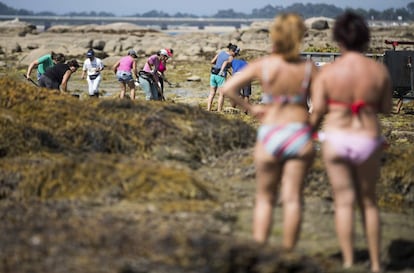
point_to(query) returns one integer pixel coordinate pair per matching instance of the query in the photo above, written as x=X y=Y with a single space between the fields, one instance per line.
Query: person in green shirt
x=44 y=62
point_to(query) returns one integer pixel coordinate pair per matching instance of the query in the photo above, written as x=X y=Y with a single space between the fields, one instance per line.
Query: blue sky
x=197 y=7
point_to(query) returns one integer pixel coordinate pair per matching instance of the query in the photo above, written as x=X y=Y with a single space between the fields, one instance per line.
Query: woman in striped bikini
x=284 y=150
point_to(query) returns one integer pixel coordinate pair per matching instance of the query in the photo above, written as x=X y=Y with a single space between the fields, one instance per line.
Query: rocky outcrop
x=17 y=27
x=320 y=25
x=115 y=28
x=114 y=40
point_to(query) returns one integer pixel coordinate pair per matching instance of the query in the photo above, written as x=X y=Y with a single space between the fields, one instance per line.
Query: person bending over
x=57 y=77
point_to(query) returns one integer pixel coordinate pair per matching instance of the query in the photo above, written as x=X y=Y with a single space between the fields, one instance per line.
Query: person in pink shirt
x=162 y=68
x=125 y=69
x=149 y=77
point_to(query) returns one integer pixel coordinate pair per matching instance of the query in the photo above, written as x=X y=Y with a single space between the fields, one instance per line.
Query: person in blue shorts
x=221 y=63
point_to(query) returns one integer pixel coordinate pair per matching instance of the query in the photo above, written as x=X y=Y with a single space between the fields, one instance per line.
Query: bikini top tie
x=355 y=107
x=289 y=99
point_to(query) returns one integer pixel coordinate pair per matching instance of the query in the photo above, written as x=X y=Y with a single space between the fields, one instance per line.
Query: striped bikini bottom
x=284 y=141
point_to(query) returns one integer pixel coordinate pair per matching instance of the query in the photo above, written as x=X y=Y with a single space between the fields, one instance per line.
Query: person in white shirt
x=92 y=67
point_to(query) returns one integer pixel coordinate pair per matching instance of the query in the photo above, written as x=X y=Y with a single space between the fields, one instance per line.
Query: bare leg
x=399 y=105
x=294 y=172
x=233 y=104
x=341 y=179
x=267 y=177
x=211 y=97
x=123 y=89
x=246 y=99
x=220 y=101
x=131 y=86
x=132 y=94
x=368 y=175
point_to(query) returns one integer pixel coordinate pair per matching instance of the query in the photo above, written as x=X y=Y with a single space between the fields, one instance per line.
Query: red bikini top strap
x=355 y=107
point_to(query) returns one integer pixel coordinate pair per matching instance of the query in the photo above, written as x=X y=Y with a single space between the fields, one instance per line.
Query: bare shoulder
x=258 y=64
x=259 y=60
x=376 y=67
x=326 y=70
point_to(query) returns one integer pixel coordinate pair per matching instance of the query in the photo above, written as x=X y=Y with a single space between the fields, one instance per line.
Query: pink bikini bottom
x=355 y=148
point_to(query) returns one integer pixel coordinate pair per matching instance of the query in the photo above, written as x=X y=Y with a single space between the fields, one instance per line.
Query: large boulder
x=17 y=27
x=98 y=44
x=25 y=60
x=319 y=23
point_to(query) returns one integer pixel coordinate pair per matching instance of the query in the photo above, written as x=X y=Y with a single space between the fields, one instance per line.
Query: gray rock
x=85 y=43
x=320 y=25
x=98 y=44
x=16 y=48
x=194 y=79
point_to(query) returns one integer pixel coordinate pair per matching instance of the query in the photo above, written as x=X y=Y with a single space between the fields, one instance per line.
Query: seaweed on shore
x=38 y=120
x=115 y=185
x=58 y=147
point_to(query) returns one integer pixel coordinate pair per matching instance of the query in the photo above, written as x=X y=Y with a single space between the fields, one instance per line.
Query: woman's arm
x=226 y=63
x=84 y=69
x=233 y=85
x=64 y=83
x=134 y=68
x=101 y=66
x=115 y=66
x=30 y=68
x=318 y=100
x=214 y=60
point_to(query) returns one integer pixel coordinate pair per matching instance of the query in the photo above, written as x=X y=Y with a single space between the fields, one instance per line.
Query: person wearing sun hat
x=125 y=69
x=92 y=67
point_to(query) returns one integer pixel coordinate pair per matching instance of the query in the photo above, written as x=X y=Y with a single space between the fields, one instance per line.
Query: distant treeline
x=306 y=10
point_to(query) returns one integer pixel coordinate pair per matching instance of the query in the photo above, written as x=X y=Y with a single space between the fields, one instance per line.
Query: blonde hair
x=286 y=34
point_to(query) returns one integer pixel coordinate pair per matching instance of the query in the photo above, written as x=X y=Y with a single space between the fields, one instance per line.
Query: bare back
x=353 y=90
x=279 y=78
